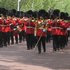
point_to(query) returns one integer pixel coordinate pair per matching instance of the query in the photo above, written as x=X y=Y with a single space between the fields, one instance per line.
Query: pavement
x=17 y=57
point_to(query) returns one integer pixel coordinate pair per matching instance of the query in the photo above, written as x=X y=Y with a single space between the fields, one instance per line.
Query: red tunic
x=49 y=22
x=14 y=22
x=21 y=23
x=40 y=31
x=59 y=30
x=7 y=28
x=1 y=21
x=29 y=27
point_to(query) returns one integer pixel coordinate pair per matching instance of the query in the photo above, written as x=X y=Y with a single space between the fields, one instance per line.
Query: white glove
x=17 y=26
x=14 y=28
x=10 y=24
x=44 y=30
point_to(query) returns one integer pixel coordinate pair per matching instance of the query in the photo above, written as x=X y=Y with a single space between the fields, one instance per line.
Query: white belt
x=30 y=27
x=68 y=28
x=57 y=27
x=41 y=28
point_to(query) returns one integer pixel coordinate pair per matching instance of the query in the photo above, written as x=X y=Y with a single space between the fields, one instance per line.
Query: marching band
x=35 y=31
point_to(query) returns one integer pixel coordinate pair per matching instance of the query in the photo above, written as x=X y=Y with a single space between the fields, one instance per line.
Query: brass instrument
x=40 y=25
x=3 y=25
x=19 y=28
x=35 y=30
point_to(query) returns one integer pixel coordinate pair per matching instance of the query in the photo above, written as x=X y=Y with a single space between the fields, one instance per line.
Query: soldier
x=1 y=36
x=48 y=22
x=11 y=29
x=4 y=33
x=55 y=35
x=20 y=24
x=41 y=36
x=8 y=29
x=59 y=34
x=14 y=30
x=23 y=30
x=29 y=33
x=63 y=34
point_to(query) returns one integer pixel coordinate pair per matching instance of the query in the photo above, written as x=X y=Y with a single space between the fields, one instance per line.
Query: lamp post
x=18 y=7
x=32 y=5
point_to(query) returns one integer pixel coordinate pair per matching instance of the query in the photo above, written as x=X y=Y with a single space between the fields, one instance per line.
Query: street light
x=18 y=7
x=32 y=5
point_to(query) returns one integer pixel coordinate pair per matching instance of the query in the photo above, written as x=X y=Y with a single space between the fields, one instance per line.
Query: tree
x=36 y=5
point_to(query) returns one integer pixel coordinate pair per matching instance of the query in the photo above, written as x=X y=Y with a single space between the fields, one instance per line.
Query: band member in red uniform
x=41 y=36
x=59 y=33
x=4 y=33
x=63 y=34
x=29 y=33
x=20 y=25
x=14 y=30
x=23 y=30
x=1 y=35
x=8 y=29
x=10 y=21
x=48 y=37
x=55 y=34
x=68 y=29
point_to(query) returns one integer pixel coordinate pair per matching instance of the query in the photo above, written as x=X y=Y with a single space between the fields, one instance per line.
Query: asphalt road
x=17 y=57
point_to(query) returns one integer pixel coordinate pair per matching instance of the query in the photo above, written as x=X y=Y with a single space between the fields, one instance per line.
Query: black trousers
x=16 y=39
x=12 y=37
x=48 y=38
x=29 y=41
x=34 y=41
x=56 y=42
x=1 y=37
x=8 y=38
x=16 y=36
x=41 y=44
x=63 y=41
x=4 y=39
x=21 y=36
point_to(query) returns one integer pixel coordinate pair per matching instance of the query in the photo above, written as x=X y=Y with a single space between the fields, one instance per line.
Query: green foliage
x=8 y=4
x=35 y=5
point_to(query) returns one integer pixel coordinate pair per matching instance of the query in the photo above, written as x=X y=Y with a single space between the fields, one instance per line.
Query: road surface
x=17 y=57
